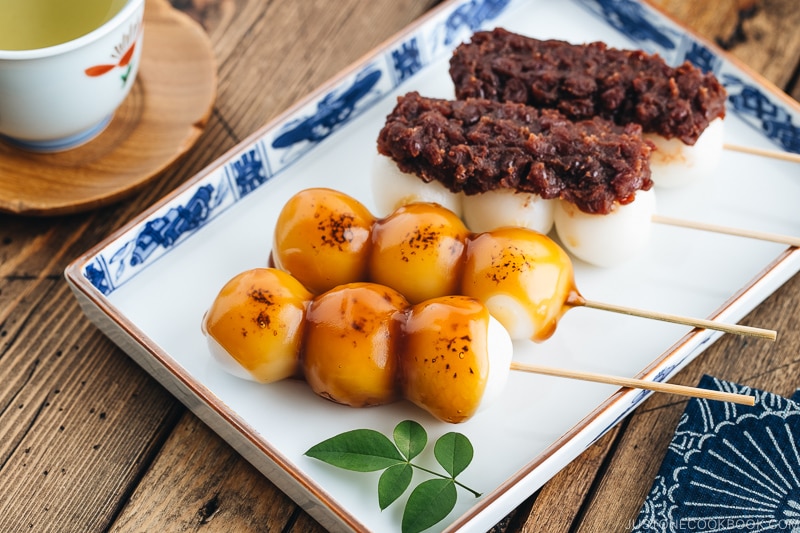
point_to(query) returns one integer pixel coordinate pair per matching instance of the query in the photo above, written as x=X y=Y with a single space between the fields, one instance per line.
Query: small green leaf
x=361 y=450
x=366 y=450
x=428 y=504
x=454 y=452
x=393 y=483
x=410 y=438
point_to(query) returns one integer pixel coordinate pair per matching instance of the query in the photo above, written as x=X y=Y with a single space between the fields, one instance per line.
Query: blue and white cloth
x=729 y=467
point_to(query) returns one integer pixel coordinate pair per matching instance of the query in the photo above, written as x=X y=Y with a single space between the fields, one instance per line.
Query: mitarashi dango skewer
x=511 y=268
x=363 y=344
x=360 y=344
x=680 y=109
x=423 y=250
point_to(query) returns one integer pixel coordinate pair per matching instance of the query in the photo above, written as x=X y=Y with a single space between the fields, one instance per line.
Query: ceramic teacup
x=61 y=96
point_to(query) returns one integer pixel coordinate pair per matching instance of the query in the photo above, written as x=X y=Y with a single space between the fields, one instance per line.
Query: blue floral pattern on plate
x=633 y=19
x=333 y=110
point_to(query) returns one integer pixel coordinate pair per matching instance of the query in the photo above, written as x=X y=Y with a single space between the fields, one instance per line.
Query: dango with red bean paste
x=511 y=164
x=361 y=344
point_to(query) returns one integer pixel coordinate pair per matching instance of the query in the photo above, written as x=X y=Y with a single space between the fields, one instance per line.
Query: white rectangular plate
x=148 y=285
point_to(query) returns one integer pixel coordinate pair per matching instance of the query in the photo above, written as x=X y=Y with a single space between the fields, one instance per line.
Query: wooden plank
x=75 y=412
x=199 y=481
x=762 y=34
x=79 y=421
x=262 y=72
x=558 y=504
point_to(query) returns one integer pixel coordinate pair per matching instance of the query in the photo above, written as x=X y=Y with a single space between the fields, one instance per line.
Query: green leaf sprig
x=367 y=450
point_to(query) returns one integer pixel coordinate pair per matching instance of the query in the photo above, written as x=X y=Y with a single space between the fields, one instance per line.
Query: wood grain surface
x=89 y=442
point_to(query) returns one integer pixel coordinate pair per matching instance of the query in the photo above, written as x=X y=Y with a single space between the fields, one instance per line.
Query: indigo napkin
x=729 y=467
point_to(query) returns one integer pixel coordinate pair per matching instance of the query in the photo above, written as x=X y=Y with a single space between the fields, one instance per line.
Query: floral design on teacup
x=124 y=51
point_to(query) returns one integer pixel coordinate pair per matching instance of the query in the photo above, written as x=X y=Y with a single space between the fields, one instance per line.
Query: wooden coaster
x=162 y=117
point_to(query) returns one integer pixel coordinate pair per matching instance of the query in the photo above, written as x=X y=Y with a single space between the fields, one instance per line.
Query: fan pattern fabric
x=729 y=467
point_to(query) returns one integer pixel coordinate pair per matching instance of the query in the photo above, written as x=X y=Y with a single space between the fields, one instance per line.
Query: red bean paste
x=589 y=80
x=477 y=145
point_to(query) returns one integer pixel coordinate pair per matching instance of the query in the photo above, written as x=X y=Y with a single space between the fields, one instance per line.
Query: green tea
x=32 y=24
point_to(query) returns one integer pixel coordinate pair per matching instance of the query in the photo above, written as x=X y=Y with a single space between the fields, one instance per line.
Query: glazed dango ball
x=322 y=237
x=351 y=344
x=523 y=277
x=258 y=312
x=446 y=368
x=418 y=250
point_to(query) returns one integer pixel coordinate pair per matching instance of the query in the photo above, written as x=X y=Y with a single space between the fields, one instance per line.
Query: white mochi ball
x=506 y=207
x=606 y=240
x=675 y=164
x=393 y=188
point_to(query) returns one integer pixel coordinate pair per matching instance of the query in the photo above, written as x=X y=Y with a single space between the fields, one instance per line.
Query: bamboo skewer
x=775 y=154
x=738 y=329
x=633 y=383
x=727 y=230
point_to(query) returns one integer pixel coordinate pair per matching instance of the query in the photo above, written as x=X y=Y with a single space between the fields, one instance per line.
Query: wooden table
x=89 y=442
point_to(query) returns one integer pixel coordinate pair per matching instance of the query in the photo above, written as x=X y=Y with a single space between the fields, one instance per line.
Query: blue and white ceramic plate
x=148 y=286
